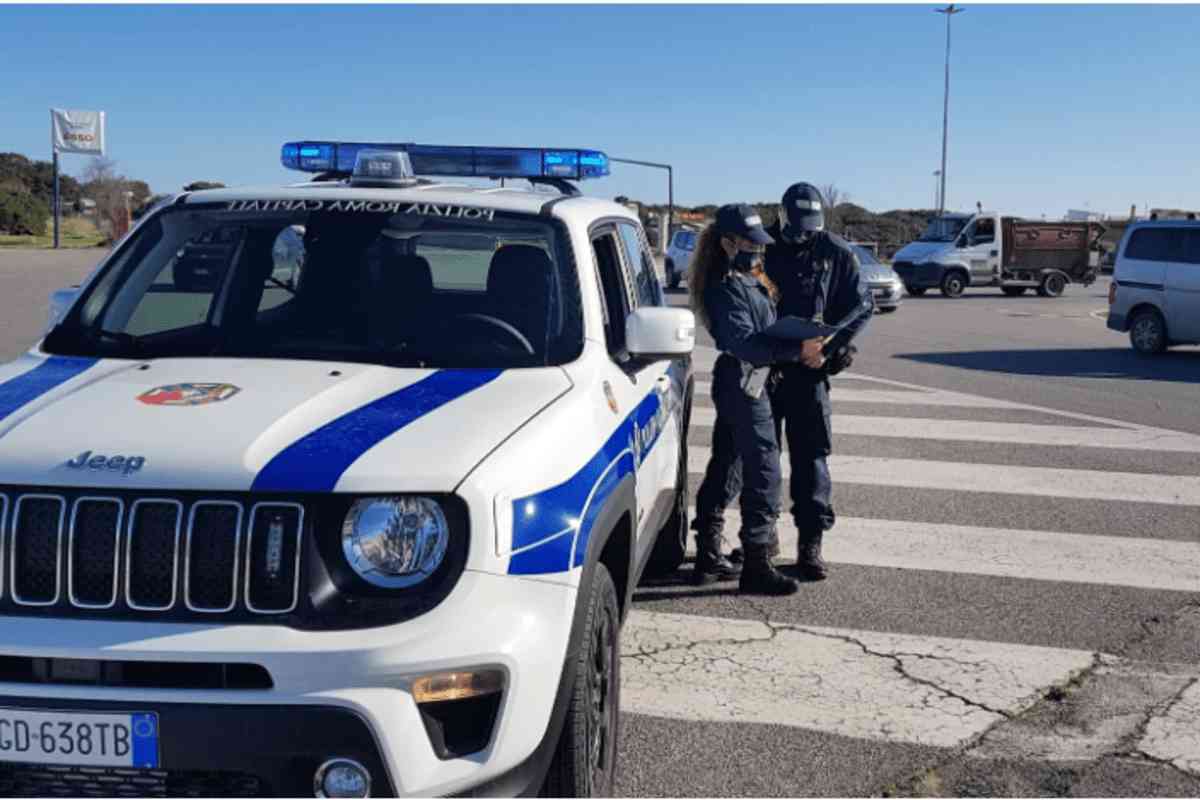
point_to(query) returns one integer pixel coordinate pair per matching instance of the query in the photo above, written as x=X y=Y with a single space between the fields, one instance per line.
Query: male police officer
x=817 y=276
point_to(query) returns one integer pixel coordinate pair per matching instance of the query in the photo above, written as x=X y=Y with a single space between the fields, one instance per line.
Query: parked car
x=679 y=256
x=885 y=284
x=1155 y=291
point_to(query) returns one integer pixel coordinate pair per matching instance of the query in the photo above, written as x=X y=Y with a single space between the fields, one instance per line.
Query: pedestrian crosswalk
x=777 y=663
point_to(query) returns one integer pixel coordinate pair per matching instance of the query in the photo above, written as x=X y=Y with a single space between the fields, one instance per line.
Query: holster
x=754 y=380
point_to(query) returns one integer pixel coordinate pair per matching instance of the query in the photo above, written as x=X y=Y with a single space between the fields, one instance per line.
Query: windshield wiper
x=118 y=337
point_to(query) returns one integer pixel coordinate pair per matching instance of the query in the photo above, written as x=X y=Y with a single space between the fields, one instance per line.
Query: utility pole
x=664 y=235
x=949 y=11
x=937 y=192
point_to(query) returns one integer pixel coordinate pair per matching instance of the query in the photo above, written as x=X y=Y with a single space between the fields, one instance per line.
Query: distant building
x=1075 y=215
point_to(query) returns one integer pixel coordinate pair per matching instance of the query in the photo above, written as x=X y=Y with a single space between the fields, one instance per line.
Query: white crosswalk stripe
x=925 y=689
x=1008 y=432
x=966 y=477
x=1030 y=555
x=885 y=396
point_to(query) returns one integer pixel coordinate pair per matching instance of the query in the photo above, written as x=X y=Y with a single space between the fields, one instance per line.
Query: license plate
x=79 y=738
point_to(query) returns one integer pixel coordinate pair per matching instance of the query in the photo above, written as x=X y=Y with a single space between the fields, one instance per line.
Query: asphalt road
x=27 y=277
x=1013 y=604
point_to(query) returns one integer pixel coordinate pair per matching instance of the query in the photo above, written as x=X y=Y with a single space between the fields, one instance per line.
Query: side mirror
x=658 y=334
x=60 y=303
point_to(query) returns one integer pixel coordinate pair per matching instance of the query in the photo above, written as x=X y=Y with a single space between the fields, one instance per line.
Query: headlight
x=395 y=542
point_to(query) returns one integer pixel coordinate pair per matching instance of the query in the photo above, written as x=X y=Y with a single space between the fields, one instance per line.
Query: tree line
x=27 y=194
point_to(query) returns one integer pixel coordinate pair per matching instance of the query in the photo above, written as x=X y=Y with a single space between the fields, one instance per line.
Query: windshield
x=865 y=256
x=409 y=288
x=943 y=229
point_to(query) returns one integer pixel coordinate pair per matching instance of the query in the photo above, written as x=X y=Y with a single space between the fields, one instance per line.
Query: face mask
x=744 y=260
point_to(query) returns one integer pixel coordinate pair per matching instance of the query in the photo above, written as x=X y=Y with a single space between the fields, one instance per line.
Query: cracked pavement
x=887 y=686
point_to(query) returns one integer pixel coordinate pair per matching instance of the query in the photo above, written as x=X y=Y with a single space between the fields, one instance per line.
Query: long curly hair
x=708 y=266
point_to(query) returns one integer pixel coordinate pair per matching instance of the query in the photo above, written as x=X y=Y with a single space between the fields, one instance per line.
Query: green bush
x=22 y=214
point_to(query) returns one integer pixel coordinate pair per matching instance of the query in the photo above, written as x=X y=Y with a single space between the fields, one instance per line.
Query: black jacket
x=739 y=308
x=819 y=277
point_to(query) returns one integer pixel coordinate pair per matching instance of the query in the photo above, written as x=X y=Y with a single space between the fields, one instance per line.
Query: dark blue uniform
x=745 y=451
x=817 y=279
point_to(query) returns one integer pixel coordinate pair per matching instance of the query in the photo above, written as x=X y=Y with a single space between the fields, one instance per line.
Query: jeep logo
x=126 y=465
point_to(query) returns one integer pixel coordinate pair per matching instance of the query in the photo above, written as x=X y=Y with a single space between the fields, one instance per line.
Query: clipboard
x=796 y=329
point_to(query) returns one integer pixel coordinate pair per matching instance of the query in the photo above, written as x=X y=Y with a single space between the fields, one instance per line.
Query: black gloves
x=839 y=358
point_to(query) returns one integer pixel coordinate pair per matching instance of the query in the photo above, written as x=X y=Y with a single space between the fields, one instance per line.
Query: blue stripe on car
x=317 y=462
x=579 y=500
x=29 y=386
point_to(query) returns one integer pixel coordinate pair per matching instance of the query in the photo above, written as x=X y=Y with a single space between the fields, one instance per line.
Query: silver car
x=1155 y=290
x=884 y=282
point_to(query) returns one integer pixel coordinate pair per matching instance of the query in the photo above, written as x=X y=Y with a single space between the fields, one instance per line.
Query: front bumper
x=214 y=750
x=920 y=276
x=344 y=692
x=886 y=295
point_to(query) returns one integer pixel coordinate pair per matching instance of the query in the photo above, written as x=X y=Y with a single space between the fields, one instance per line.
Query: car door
x=662 y=432
x=636 y=387
x=1182 y=281
x=974 y=246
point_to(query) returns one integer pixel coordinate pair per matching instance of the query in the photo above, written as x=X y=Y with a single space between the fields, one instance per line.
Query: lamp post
x=949 y=11
x=665 y=235
x=937 y=191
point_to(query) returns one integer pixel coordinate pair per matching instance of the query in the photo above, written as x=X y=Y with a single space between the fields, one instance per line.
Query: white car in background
x=679 y=256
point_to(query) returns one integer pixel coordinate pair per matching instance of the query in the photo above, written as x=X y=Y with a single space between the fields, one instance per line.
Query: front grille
x=190 y=556
x=34 y=780
x=134 y=674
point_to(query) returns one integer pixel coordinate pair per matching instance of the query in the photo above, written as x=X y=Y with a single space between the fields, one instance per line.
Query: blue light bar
x=454 y=161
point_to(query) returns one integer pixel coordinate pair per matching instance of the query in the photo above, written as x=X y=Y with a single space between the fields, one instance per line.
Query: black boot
x=809 y=564
x=759 y=575
x=711 y=566
x=735 y=555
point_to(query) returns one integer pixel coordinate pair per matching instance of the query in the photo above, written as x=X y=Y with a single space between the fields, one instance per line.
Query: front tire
x=954 y=283
x=1148 y=332
x=673 y=277
x=585 y=760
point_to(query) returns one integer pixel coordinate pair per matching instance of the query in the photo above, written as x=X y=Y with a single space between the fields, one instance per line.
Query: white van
x=1155 y=292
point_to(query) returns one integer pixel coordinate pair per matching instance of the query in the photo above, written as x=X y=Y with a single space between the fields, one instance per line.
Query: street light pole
x=949 y=11
x=937 y=192
x=666 y=235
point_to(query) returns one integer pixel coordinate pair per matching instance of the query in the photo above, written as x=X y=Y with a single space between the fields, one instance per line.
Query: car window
x=985 y=231
x=1191 y=246
x=1156 y=244
x=647 y=287
x=615 y=296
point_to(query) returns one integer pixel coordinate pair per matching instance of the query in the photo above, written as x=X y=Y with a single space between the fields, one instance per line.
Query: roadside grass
x=74 y=232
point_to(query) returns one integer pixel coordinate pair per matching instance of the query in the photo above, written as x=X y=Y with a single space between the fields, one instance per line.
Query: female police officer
x=733 y=298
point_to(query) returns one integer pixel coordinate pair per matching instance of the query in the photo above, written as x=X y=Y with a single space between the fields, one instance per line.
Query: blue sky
x=1052 y=107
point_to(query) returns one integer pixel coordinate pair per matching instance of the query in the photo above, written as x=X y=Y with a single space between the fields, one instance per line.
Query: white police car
x=341 y=488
